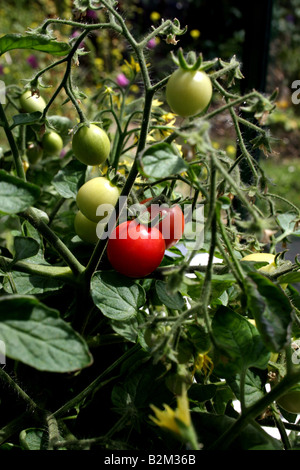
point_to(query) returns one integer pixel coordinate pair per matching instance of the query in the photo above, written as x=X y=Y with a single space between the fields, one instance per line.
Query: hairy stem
x=54 y=240
x=15 y=151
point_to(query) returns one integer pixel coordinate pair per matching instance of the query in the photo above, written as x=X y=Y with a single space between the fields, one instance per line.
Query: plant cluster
x=103 y=353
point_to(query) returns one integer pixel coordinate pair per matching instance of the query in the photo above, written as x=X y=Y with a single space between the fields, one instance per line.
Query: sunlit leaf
x=35 y=41
x=36 y=335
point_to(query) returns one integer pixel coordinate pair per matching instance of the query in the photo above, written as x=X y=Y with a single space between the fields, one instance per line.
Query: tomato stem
x=16 y=155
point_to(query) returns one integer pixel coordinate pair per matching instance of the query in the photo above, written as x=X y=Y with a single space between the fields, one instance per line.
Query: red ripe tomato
x=135 y=250
x=172 y=224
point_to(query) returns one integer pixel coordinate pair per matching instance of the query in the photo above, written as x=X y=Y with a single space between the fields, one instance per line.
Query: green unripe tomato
x=52 y=143
x=290 y=401
x=85 y=228
x=91 y=145
x=94 y=193
x=31 y=103
x=33 y=152
x=188 y=92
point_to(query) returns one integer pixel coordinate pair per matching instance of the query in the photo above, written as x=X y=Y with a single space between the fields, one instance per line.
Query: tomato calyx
x=144 y=216
x=191 y=63
x=168 y=217
x=115 y=178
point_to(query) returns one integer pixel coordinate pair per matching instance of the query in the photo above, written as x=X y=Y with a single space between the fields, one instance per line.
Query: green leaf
x=118 y=297
x=287 y=222
x=130 y=329
x=290 y=278
x=202 y=393
x=210 y=427
x=271 y=310
x=25 y=248
x=219 y=284
x=62 y=126
x=16 y=195
x=221 y=400
x=161 y=160
x=199 y=337
x=36 y=42
x=36 y=335
x=238 y=342
x=69 y=179
x=34 y=439
x=31 y=232
x=254 y=387
x=30 y=284
x=82 y=5
x=172 y=300
x=25 y=118
x=139 y=387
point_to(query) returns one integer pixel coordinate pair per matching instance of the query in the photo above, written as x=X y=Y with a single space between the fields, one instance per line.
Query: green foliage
x=16 y=195
x=91 y=354
x=35 y=42
x=37 y=336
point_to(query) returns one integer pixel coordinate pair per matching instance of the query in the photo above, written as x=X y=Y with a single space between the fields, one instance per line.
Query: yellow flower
x=231 y=150
x=195 y=33
x=25 y=165
x=168 y=417
x=117 y=54
x=133 y=65
x=282 y=104
x=155 y=16
x=151 y=138
x=134 y=88
x=156 y=103
x=170 y=118
x=109 y=91
x=99 y=63
x=115 y=98
x=203 y=362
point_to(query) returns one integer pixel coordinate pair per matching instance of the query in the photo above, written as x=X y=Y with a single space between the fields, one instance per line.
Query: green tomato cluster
x=96 y=193
x=51 y=142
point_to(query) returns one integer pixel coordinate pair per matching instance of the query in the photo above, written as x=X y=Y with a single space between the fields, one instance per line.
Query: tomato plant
x=134 y=249
x=97 y=192
x=171 y=224
x=91 y=144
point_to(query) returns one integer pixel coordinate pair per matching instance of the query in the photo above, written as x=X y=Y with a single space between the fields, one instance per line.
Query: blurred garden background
x=264 y=35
